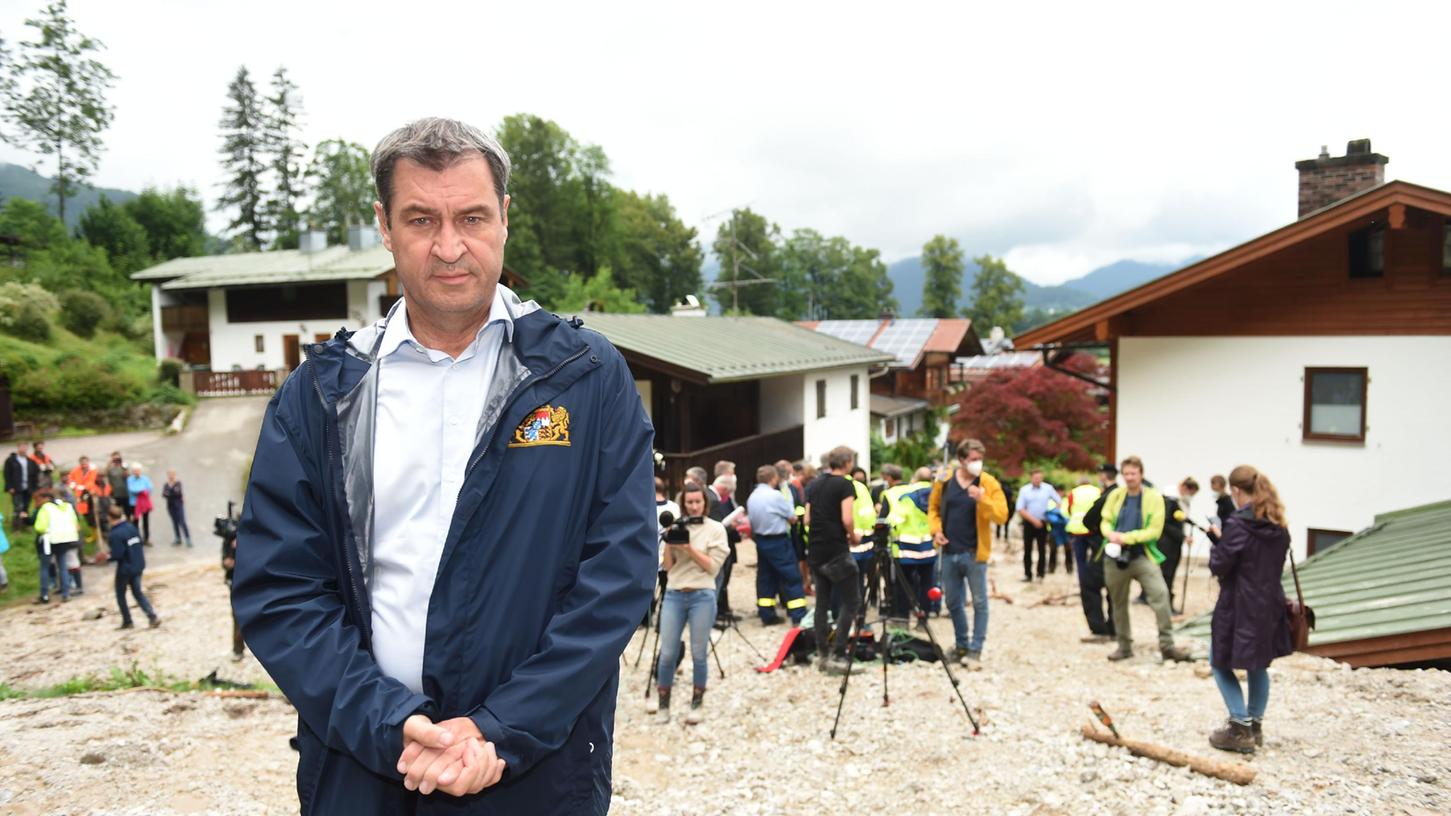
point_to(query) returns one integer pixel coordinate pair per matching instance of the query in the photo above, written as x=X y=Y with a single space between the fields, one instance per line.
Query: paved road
x=209 y=458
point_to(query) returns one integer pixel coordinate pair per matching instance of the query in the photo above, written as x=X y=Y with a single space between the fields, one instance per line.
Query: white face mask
x=975 y=468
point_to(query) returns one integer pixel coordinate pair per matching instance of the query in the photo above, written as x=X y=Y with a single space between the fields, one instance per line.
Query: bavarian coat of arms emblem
x=545 y=425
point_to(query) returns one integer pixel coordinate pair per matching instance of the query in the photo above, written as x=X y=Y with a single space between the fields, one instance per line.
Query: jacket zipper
x=333 y=467
x=510 y=403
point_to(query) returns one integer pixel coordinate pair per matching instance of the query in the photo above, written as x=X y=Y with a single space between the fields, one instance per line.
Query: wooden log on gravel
x=1228 y=771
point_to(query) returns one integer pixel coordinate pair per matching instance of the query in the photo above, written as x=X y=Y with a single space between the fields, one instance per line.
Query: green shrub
x=75 y=387
x=30 y=325
x=169 y=394
x=83 y=312
x=168 y=371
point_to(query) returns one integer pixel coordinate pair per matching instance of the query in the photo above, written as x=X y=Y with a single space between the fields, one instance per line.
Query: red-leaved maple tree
x=1036 y=415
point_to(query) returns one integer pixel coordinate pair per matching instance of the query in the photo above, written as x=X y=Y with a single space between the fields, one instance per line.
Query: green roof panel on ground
x=728 y=349
x=1390 y=579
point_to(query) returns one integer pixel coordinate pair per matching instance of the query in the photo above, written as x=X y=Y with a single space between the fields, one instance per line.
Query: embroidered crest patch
x=545 y=425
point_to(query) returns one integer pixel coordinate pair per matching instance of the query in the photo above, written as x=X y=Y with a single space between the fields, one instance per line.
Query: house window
x=1335 y=404
x=889 y=428
x=855 y=400
x=257 y=342
x=1321 y=540
x=1446 y=247
x=1367 y=253
x=820 y=398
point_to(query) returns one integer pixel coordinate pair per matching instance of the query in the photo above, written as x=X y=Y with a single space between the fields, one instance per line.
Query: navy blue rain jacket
x=547 y=569
x=126 y=550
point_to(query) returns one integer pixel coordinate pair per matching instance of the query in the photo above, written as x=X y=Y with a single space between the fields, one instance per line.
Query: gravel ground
x=1338 y=741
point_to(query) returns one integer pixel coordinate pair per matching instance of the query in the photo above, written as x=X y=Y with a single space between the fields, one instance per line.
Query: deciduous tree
x=997 y=296
x=656 y=254
x=1036 y=415
x=942 y=261
x=113 y=229
x=55 y=99
x=342 y=188
x=746 y=245
x=174 y=221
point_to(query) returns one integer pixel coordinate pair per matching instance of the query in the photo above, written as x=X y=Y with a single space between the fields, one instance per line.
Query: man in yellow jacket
x=961 y=513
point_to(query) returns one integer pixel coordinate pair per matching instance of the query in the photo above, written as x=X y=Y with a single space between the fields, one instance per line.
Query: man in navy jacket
x=490 y=686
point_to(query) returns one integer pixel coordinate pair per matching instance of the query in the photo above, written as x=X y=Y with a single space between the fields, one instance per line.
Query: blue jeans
x=698 y=609
x=1229 y=689
x=959 y=569
x=55 y=561
x=178 y=524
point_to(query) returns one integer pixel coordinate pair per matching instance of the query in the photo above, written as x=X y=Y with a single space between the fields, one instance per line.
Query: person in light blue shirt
x=138 y=485
x=1033 y=501
x=771 y=516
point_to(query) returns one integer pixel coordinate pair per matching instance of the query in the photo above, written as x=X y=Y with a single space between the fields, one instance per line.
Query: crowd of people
x=109 y=505
x=816 y=532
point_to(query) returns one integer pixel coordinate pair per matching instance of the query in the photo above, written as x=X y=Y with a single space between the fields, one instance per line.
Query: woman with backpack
x=1250 y=627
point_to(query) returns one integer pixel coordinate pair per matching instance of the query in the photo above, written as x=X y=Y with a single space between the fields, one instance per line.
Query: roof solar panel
x=852 y=331
x=904 y=339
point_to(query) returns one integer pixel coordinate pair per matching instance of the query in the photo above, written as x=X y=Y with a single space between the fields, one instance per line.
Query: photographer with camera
x=830 y=510
x=695 y=549
x=1133 y=521
x=225 y=528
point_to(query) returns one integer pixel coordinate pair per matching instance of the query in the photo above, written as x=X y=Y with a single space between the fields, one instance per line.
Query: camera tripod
x=883 y=574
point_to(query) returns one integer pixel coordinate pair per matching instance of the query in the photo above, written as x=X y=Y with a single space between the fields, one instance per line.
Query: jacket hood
x=1260 y=527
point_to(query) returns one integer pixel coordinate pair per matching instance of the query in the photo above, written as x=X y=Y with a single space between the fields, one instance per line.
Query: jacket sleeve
x=934 y=508
x=1108 y=516
x=995 y=502
x=533 y=712
x=1224 y=557
x=286 y=596
x=1153 y=510
x=42 y=518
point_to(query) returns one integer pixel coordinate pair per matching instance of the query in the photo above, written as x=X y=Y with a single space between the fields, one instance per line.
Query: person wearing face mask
x=1223 y=505
x=961 y=512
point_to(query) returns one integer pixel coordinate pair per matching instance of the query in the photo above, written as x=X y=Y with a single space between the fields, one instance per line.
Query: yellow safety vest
x=1081 y=499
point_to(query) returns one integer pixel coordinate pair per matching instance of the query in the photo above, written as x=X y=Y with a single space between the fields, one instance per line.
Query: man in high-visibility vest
x=864 y=518
x=906 y=506
x=59 y=530
x=1084 y=542
x=1133 y=520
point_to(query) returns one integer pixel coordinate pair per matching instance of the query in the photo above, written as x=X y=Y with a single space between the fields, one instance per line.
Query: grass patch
x=118 y=679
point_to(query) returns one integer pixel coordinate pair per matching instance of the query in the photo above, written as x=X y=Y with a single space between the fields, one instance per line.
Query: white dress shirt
x=429 y=406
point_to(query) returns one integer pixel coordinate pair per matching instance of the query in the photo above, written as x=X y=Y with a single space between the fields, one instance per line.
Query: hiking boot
x=662 y=714
x=972 y=661
x=126 y=625
x=959 y=654
x=1259 y=734
x=155 y=621
x=1121 y=653
x=696 y=715
x=773 y=621
x=1234 y=736
x=836 y=666
x=44 y=599
x=1176 y=654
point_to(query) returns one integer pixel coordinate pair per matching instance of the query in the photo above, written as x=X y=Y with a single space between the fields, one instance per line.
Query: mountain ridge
x=17 y=181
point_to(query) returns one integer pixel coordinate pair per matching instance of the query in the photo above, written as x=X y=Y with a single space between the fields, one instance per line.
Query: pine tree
x=244 y=153
x=281 y=113
x=55 y=100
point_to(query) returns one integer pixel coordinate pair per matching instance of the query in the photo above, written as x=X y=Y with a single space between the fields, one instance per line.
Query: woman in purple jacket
x=1250 y=627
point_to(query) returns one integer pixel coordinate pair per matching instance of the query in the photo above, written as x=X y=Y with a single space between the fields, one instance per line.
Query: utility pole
x=736 y=283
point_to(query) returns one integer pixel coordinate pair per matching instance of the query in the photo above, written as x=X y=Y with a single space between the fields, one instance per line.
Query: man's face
x=694 y=504
x=85 y=463
x=446 y=233
x=972 y=456
x=1133 y=477
x=23 y=450
x=1037 y=478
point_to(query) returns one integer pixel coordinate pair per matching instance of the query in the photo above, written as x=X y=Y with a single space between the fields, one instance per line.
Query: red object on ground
x=781 y=653
x=934 y=594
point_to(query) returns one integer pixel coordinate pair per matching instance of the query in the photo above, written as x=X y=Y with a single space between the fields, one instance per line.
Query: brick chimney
x=1325 y=180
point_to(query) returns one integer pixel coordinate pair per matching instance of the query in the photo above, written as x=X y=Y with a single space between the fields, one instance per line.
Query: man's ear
x=382 y=217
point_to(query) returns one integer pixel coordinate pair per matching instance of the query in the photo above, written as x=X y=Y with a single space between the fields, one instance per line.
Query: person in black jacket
x=22 y=477
x=1091 y=582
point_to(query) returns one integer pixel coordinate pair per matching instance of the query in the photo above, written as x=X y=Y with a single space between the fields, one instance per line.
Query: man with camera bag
x=1133 y=520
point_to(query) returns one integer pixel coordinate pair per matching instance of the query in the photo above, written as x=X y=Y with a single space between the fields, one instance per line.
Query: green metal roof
x=269 y=268
x=728 y=349
x=1392 y=578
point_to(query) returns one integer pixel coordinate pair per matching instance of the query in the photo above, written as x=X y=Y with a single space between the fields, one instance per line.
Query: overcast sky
x=1063 y=135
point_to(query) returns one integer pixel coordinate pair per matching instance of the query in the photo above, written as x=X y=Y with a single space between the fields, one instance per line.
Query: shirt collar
x=398 y=332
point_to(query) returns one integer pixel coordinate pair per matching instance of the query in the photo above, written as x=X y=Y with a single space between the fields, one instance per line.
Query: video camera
x=676 y=531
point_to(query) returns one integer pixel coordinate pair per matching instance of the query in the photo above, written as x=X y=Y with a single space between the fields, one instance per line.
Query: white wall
x=781 y=405
x=234 y=344
x=841 y=425
x=1197 y=406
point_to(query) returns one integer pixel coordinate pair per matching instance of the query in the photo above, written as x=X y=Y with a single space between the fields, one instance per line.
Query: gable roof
x=727 y=349
x=269 y=268
x=906 y=339
x=1382 y=596
x=1081 y=325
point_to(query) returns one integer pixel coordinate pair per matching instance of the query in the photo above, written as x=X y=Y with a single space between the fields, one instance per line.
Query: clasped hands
x=451 y=756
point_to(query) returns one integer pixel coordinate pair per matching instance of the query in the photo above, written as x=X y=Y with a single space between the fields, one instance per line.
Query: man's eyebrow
x=416 y=209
